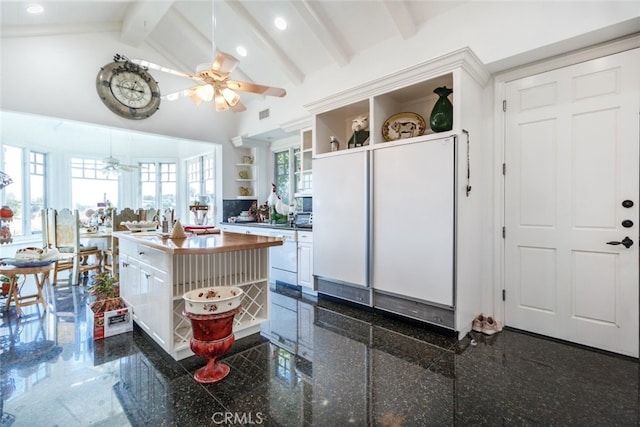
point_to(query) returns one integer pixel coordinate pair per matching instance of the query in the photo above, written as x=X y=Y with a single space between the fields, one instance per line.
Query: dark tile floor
x=352 y=367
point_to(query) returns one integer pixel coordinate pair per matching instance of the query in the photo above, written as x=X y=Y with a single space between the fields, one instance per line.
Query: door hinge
x=504 y=232
x=504 y=105
x=504 y=295
x=504 y=169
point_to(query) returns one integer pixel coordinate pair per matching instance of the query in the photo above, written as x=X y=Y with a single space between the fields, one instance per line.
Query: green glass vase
x=441 y=119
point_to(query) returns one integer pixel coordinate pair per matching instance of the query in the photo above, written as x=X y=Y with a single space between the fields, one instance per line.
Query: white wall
x=501 y=33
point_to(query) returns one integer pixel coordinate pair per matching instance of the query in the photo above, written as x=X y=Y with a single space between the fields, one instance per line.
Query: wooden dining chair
x=110 y=255
x=150 y=214
x=48 y=228
x=73 y=256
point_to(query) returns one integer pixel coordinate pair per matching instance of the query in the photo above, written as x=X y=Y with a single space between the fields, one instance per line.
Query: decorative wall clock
x=128 y=89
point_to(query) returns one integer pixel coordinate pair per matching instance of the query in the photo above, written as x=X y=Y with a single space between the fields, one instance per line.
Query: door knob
x=626 y=242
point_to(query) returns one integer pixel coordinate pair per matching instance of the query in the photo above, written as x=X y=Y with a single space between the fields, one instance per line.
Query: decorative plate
x=402 y=126
x=23 y=264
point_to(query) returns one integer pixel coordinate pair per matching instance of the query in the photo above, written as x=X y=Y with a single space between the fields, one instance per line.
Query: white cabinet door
x=305 y=259
x=130 y=283
x=413 y=220
x=156 y=315
x=160 y=308
x=144 y=306
x=340 y=244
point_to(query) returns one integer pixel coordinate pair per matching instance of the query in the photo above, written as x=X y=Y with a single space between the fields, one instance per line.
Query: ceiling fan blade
x=238 y=107
x=224 y=63
x=255 y=88
x=179 y=94
x=153 y=66
x=128 y=168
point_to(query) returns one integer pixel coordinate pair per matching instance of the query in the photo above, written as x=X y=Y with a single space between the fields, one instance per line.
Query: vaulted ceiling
x=319 y=34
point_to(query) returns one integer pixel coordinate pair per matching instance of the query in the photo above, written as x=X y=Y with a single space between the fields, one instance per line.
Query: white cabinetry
x=246 y=173
x=395 y=224
x=410 y=260
x=157 y=303
x=305 y=260
x=153 y=282
x=144 y=287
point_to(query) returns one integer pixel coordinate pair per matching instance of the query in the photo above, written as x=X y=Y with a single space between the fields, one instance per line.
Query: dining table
x=96 y=236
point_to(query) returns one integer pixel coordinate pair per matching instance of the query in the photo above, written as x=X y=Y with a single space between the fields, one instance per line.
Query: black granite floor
x=335 y=365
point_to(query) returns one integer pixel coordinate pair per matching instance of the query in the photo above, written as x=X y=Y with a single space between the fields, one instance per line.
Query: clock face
x=128 y=90
x=131 y=89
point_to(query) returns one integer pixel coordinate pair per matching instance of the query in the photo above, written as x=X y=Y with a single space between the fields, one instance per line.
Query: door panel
x=340 y=218
x=413 y=220
x=571 y=151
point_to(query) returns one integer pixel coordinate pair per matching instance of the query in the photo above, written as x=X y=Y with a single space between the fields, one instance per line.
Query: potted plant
x=106 y=290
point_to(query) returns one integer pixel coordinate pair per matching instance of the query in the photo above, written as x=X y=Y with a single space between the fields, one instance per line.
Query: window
x=91 y=186
x=26 y=195
x=158 y=185
x=282 y=171
x=201 y=181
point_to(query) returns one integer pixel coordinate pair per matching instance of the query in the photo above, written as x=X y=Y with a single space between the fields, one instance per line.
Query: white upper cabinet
x=394 y=104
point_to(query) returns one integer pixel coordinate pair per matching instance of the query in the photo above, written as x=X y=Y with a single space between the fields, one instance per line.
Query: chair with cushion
x=150 y=214
x=48 y=229
x=75 y=257
x=110 y=256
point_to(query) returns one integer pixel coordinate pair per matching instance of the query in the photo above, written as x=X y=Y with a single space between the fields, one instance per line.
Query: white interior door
x=571 y=153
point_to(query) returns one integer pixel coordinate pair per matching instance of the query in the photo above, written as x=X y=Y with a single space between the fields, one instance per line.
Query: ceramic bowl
x=137 y=226
x=212 y=300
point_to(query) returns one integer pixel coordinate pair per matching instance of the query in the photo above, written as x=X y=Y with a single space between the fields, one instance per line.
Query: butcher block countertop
x=200 y=244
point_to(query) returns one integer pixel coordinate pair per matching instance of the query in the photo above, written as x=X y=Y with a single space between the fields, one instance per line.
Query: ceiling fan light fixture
x=230 y=96
x=220 y=102
x=205 y=92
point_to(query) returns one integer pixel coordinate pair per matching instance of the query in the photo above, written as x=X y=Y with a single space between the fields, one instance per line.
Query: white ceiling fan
x=214 y=81
x=113 y=165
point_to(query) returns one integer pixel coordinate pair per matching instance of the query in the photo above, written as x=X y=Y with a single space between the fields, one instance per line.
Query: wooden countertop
x=201 y=244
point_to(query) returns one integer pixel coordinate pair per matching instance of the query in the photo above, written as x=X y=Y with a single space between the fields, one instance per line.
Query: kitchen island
x=155 y=272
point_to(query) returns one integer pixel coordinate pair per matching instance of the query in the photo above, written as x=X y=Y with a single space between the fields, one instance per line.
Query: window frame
x=26 y=172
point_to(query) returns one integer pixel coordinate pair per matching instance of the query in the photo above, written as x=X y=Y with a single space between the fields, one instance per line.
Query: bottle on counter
x=165 y=224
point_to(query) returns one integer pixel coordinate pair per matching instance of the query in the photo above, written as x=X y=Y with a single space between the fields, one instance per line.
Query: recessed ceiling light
x=280 y=23
x=35 y=8
x=241 y=51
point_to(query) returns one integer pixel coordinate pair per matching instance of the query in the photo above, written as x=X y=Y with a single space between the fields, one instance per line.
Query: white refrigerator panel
x=340 y=187
x=413 y=220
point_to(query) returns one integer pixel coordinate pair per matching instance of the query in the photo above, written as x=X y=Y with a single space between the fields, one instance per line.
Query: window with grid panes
x=158 y=185
x=26 y=196
x=91 y=186
x=201 y=182
x=282 y=171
